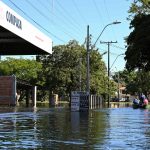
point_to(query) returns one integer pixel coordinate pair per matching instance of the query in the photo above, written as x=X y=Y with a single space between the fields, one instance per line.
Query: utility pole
x=118 y=86
x=80 y=75
x=88 y=42
x=108 y=43
x=88 y=61
x=118 y=81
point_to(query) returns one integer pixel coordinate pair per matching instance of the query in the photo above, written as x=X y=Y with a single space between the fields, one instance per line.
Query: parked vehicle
x=122 y=100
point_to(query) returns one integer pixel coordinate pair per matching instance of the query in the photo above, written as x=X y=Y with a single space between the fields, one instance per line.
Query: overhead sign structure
x=18 y=36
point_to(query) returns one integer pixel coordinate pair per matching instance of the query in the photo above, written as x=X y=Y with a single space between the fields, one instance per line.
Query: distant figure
x=142 y=99
x=17 y=98
x=136 y=101
x=145 y=102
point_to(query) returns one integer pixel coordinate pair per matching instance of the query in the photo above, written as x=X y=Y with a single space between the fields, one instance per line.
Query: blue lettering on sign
x=13 y=20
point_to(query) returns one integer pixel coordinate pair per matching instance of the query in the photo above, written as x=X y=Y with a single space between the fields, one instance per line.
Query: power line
x=106 y=9
x=36 y=22
x=40 y=12
x=47 y=18
x=78 y=10
x=118 y=47
x=60 y=18
x=108 y=14
x=70 y=17
x=97 y=9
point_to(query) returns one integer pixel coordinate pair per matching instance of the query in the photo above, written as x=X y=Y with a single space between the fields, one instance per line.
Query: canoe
x=135 y=106
x=144 y=106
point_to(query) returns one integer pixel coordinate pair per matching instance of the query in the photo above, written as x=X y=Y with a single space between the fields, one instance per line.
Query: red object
x=145 y=102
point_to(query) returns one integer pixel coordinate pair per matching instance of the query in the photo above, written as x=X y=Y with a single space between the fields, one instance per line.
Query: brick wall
x=7 y=90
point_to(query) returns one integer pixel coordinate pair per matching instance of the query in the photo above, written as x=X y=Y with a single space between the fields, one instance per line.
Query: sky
x=65 y=20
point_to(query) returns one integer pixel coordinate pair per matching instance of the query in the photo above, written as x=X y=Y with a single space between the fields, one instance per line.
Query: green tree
x=67 y=63
x=135 y=81
x=139 y=7
x=61 y=68
x=98 y=78
x=25 y=69
x=137 y=54
x=138 y=44
x=138 y=40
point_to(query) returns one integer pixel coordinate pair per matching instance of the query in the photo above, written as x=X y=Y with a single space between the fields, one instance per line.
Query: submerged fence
x=95 y=101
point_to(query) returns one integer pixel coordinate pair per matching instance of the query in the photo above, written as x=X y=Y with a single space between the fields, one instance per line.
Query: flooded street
x=58 y=128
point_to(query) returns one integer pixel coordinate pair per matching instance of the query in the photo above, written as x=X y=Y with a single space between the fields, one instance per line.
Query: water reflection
x=58 y=128
x=127 y=129
x=17 y=130
x=120 y=105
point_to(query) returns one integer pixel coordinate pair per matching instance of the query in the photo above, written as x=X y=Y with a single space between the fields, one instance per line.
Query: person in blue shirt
x=136 y=101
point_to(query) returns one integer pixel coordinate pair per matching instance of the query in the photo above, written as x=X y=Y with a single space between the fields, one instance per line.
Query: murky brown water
x=58 y=128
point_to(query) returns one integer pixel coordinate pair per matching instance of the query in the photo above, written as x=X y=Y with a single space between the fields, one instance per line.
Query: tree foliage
x=139 y=7
x=138 y=47
x=25 y=69
x=135 y=81
x=137 y=54
x=63 y=71
x=67 y=64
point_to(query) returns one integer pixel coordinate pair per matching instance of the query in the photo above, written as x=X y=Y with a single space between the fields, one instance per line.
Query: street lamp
x=88 y=52
x=118 y=73
x=116 y=59
x=115 y=22
x=104 y=53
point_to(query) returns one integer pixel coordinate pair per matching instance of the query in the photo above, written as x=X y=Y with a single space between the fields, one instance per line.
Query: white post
x=90 y=101
x=34 y=96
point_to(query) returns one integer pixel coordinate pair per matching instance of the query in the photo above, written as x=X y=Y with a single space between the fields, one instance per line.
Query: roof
x=19 y=37
x=122 y=88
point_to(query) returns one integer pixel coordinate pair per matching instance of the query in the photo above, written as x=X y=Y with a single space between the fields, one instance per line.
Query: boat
x=135 y=106
x=142 y=103
x=144 y=106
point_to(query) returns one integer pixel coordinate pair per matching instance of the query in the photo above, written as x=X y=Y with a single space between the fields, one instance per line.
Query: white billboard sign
x=75 y=101
x=13 y=22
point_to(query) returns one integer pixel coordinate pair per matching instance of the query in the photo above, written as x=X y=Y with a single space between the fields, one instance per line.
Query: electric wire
x=98 y=10
x=106 y=9
x=118 y=47
x=60 y=18
x=47 y=18
x=80 y=14
x=36 y=22
x=94 y=2
x=73 y=20
x=108 y=14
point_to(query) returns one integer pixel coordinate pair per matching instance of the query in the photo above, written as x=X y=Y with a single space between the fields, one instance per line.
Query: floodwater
x=122 y=128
